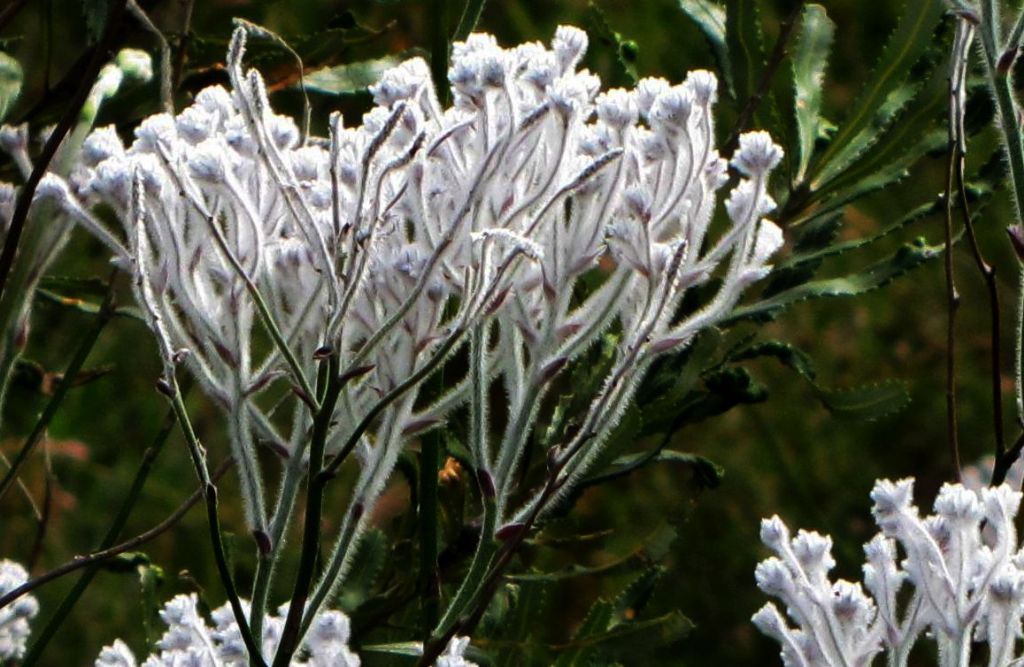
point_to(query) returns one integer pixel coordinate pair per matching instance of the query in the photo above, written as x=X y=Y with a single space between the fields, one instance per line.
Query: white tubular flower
x=15 y=617
x=453 y=654
x=189 y=640
x=968 y=582
x=757 y=154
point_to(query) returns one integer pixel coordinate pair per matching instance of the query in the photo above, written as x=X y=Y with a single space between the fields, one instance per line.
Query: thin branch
x=99 y=557
x=99 y=57
x=104 y=316
x=182 y=47
x=113 y=532
x=767 y=75
x=166 y=92
x=952 y=305
x=10 y=11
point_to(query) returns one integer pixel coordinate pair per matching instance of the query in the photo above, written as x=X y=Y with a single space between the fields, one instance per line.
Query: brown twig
x=107 y=554
x=99 y=57
x=952 y=305
x=181 y=54
x=778 y=54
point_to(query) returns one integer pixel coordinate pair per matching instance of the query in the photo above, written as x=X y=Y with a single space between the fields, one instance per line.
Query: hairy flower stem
x=290 y=635
x=113 y=532
x=198 y=455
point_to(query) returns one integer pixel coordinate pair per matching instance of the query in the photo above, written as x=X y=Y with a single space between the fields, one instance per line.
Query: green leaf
x=810 y=56
x=529 y=602
x=708 y=473
x=625 y=49
x=366 y=567
x=580 y=652
x=885 y=94
x=908 y=257
x=866 y=403
x=350 y=78
x=746 y=46
x=710 y=19
x=788 y=355
x=11 y=77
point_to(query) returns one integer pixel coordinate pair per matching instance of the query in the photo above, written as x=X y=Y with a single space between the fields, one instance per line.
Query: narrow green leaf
x=906 y=258
x=885 y=94
x=746 y=46
x=11 y=77
x=350 y=78
x=787 y=354
x=709 y=474
x=625 y=49
x=866 y=403
x=580 y=651
x=810 y=57
x=710 y=19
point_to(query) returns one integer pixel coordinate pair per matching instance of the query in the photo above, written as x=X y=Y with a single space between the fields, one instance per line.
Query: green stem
x=104 y=316
x=470 y=17
x=127 y=505
x=198 y=456
x=290 y=635
x=430 y=584
x=439 y=51
x=473 y=582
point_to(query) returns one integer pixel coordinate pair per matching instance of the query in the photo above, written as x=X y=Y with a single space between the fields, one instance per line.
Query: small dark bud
x=968 y=14
x=304 y=397
x=262 y=542
x=1005 y=61
x=486 y=483
x=1016 y=233
x=180 y=355
x=165 y=388
x=357 y=511
x=358 y=371
x=419 y=425
x=323 y=352
x=510 y=531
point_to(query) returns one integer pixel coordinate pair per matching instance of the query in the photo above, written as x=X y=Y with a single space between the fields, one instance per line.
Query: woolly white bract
x=15 y=617
x=189 y=640
x=393 y=243
x=963 y=563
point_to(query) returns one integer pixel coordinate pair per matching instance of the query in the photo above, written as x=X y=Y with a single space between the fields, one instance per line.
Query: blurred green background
x=787 y=455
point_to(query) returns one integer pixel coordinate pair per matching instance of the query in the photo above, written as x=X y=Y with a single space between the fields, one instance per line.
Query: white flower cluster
x=190 y=641
x=391 y=244
x=14 y=618
x=963 y=563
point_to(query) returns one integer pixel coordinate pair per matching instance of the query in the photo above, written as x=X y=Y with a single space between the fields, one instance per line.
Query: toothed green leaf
x=709 y=17
x=906 y=258
x=746 y=46
x=885 y=94
x=866 y=403
x=810 y=57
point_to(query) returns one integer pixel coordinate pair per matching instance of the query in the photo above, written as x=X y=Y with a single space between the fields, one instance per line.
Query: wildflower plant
x=372 y=256
x=962 y=564
x=439 y=272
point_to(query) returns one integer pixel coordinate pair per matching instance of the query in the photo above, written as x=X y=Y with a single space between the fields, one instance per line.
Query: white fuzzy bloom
x=15 y=617
x=391 y=241
x=968 y=582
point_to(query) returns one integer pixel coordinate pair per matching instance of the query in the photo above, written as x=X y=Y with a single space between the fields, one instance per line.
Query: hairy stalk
x=290 y=635
x=198 y=455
